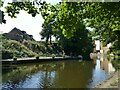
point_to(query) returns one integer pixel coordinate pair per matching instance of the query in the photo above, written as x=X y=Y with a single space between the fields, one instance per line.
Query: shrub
x=12 y=48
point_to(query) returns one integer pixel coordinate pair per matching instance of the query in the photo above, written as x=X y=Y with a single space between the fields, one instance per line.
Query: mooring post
x=37 y=58
x=15 y=59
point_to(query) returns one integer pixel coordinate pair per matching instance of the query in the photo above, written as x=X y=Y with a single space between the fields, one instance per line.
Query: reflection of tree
x=74 y=75
x=24 y=71
x=46 y=79
x=10 y=86
x=48 y=75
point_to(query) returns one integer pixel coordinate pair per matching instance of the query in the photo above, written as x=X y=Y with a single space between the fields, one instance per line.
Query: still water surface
x=58 y=74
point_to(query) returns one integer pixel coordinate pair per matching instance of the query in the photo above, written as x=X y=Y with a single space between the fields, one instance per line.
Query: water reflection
x=74 y=75
x=28 y=76
x=102 y=70
x=106 y=65
x=62 y=74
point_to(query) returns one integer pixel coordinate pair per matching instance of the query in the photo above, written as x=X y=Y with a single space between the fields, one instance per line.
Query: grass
x=114 y=83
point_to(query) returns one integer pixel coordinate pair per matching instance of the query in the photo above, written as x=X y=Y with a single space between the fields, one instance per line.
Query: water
x=58 y=74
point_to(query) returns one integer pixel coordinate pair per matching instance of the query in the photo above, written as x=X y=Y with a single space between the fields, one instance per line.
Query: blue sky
x=24 y=21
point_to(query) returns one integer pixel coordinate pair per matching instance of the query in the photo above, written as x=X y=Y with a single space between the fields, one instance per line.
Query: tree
x=69 y=17
x=63 y=20
x=70 y=30
x=47 y=32
x=2 y=19
x=105 y=18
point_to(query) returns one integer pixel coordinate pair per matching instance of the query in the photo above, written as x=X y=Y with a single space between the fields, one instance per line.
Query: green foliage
x=78 y=44
x=67 y=27
x=2 y=19
x=105 y=18
x=1 y=3
x=47 y=32
x=15 y=7
x=69 y=18
x=7 y=54
x=65 y=20
x=116 y=64
x=40 y=47
x=11 y=48
x=27 y=48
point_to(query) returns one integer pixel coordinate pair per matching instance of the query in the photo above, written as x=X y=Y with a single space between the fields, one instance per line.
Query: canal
x=57 y=74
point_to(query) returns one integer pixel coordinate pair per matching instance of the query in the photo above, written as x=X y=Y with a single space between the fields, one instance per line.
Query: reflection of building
x=105 y=65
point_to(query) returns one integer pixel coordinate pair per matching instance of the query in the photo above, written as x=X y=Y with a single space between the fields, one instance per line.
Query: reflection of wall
x=94 y=61
x=104 y=65
x=111 y=69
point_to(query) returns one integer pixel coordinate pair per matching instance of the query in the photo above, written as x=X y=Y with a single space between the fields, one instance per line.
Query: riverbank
x=111 y=82
x=37 y=59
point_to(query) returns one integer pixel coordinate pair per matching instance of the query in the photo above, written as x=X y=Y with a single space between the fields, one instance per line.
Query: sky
x=25 y=22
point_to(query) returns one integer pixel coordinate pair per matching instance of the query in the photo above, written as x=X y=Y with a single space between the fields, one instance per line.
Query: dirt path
x=112 y=82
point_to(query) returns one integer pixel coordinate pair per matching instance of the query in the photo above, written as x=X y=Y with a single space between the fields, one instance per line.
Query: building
x=18 y=35
x=98 y=47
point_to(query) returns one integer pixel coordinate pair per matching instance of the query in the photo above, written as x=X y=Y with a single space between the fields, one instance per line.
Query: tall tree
x=47 y=32
x=66 y=19
x=105 y=17
x=69 y=17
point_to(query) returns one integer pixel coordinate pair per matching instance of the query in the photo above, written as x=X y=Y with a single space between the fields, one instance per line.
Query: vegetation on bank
x=67 y=22
x=12 y=48
x=28 y=48
x=116 y=64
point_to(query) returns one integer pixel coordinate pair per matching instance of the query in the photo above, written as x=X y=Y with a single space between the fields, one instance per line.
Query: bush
x=116 y=64
x=12 y=48
x=6 y=54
